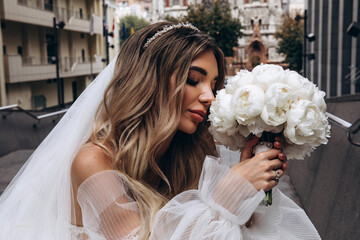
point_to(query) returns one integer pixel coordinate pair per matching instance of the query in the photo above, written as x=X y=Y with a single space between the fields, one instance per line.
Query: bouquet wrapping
x=270 y=99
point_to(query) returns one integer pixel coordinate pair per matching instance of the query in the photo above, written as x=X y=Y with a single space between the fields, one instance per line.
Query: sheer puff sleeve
x=107 y=210
x=222 y=205
x=217 y=210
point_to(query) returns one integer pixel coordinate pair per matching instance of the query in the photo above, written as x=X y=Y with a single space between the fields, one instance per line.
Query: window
x=81 y=13
x=4 y=49
x=51 y=48
x=20 y=50
x=74 y=90
x=48 y=5
x=3 y=25
x=83 y=55
x=38 y=102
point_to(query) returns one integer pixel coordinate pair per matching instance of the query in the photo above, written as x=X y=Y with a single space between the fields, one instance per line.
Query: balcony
x=175 y=11
x=264 y=29
x=77 y=21
x=42 y=14
x=18 y=69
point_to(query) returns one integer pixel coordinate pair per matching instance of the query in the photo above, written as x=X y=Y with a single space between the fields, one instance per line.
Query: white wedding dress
x=217 y=210
x=37 y=204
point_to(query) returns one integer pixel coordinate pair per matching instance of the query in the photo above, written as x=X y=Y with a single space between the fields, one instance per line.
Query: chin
x=188 y=131
x=188 y=128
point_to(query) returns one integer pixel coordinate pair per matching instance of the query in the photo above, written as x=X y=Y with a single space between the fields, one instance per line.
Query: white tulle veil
x=37 y=203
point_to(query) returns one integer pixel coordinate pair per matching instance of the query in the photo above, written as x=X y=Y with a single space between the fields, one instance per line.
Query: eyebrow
x=201 y=70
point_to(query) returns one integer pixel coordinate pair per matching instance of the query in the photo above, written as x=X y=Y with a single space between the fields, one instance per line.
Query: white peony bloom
x=260 y=126
x=269 y=99
x=266 y=75
x=319 y=101
x=303 y=88
x=278 y=99
x=247 y=103
x=243 y=130
x=298 y=152
x=244 y=77
x=233 y=142
x=221 y=115
x=306 y=124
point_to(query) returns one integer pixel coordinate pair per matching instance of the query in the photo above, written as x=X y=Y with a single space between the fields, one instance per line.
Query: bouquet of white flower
x=270 y=100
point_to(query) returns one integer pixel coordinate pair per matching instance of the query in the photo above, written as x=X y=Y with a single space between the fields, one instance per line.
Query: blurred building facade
x=139 y=8
x=29 y=50
x=260 y=20
x=328 y=181
x=336 y=67
x=117 y=9
x=175 y=8
x=265 y=17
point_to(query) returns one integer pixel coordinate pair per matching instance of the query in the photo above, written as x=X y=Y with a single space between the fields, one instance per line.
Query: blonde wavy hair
x=141 y=109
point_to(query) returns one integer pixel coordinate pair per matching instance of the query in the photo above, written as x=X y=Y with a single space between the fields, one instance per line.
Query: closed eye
x=191 y=82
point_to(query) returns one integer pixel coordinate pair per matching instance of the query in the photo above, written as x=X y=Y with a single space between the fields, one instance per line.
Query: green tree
x=290 y=36
x=217 y=22
x=130 y=21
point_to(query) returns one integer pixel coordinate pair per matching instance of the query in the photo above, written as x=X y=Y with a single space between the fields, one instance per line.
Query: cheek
x=187 y=97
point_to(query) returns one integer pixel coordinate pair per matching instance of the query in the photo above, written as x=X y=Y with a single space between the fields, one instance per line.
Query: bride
x=133 y=158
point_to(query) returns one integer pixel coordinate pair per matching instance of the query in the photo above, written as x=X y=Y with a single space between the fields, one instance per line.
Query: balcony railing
x=350 y=129
x=40 y=12
x=10 y=109
x=18 y=69
x=62 y=13
x=261 y=27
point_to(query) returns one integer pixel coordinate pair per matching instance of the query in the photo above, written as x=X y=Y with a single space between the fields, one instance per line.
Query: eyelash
x=191 y=82
x=194 y=83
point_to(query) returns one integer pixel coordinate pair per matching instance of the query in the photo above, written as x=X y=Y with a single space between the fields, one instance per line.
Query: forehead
x=207 y=61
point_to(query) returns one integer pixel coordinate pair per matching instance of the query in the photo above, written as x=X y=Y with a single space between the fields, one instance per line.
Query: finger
x=282 y=157
x=269 y=154
x=277 y=145
x=278 y=174
x=248 y=149
x=284 y=167
x=276 y=164
x=271 y=184
x=279 y=138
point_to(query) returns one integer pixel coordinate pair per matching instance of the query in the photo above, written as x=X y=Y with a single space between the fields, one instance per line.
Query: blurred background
x=53 y=49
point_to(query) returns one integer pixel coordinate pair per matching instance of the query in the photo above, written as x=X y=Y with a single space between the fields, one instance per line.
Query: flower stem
x=268 y=198
x=267 y=137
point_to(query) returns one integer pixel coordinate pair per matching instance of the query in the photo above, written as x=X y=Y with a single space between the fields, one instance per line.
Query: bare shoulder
x=90 y=160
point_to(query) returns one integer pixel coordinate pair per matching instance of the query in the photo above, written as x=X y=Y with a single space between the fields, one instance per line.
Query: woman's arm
x=107 y=211
x=222 y=205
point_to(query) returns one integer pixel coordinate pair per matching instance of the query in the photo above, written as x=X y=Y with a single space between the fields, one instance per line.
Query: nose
x=206 y=96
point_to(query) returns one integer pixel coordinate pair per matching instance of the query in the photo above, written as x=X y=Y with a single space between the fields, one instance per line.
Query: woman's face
x=199 y=88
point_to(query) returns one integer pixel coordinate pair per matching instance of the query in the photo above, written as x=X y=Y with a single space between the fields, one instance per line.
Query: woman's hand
x=278 y=144
x=260 y=170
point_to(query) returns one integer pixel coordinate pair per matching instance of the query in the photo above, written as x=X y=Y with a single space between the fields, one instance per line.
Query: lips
x=198 y=115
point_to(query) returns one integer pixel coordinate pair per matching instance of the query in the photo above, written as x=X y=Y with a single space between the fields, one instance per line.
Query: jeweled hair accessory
x=168 y=28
